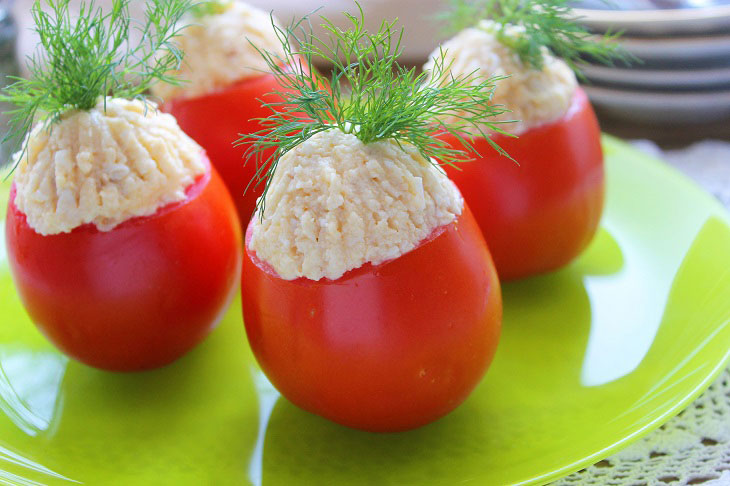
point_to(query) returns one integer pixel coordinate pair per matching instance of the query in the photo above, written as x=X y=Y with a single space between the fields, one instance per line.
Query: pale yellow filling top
x=335 y=204
x=104 y=166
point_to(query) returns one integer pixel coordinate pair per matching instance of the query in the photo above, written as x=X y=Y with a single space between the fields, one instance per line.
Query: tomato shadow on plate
x=191 y=422
x=302 y=448
x=682 y=355
x=547 y=321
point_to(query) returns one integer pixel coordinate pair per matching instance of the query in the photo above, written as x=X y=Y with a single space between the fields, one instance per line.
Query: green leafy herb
x=547 y=23
x=368 y=94
x=210 y=7
x=84 y=57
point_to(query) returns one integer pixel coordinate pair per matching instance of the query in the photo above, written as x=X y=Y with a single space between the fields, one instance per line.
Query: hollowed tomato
x=139 y=295
x=216 y=119
x=385 y=347
x=541 y=212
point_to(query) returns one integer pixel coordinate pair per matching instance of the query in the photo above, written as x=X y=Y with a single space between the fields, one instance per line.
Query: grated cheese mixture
x=534 y=97
x=335 y=204
x=104 y=167
x=218 y=52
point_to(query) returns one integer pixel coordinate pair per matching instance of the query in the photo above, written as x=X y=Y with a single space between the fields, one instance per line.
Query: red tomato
x=215 y=121
x=140 y=295
x=385 y=347
x=539 y=215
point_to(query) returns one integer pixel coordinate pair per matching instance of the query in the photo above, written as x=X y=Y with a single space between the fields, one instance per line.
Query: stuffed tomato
x=369 y=295
x=228 y=81
x=123 y=243
x=214 y=120
x=540 y=210
x=540 y=213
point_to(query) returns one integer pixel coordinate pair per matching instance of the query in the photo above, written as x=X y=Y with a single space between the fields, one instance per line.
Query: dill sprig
x=85 y=57
x=547 y=23
x=210 y=7
x=368 y=94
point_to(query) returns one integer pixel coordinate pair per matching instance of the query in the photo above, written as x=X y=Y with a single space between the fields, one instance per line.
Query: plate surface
x=592 y=357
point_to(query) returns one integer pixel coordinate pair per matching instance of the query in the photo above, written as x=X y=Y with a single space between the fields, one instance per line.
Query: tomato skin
x=216 y=119
x=539 y=215
x=383 y=348
x=138 y=296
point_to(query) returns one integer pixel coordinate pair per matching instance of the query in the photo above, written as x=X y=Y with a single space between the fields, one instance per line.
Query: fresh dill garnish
x=547 y=23
x=210 y=7
x=368 y=94
x=85 y=57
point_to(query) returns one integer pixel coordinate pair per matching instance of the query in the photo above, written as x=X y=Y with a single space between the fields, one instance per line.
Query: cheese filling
x=104 y=166
x=218 y=51
x=335 y=204
x=534 y=96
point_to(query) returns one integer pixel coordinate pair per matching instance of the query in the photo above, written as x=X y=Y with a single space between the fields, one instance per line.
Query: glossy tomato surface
x=139 y=295
x=385 y=347
x=539 y=213
x=215 y=121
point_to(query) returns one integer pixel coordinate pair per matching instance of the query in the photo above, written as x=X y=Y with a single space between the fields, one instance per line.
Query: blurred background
x=678 y=94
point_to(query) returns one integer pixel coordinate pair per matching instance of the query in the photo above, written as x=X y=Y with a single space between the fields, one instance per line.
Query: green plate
x=592 y=358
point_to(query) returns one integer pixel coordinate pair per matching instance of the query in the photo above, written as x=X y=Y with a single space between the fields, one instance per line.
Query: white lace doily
x=693 y=447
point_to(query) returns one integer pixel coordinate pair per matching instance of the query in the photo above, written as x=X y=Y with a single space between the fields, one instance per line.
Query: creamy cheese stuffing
x=335 y=204
x=534 y=96
x=104 y=166
x=218 y=52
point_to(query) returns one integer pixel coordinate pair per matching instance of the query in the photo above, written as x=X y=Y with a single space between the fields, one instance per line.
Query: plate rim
x=657 y=22
x=669 y=15
x=657 y=78
x=695 y=41
x=717 y=209
x=717 y=102
x=638 y=434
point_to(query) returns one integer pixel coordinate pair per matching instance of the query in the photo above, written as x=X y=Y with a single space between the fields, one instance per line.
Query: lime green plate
x=592 y=358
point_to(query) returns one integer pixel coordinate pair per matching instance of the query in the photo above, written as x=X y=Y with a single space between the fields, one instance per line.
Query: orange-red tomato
x=385 y=347
x=140 y=295
x=539 y=215
x=216 y=119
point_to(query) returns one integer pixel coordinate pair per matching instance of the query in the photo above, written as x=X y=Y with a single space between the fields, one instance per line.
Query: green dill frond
x=547 y=23
x=368 y=94
x=210 y=7
x=85 y=57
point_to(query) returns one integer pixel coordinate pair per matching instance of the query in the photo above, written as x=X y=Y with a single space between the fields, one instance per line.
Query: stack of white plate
x=684 y=46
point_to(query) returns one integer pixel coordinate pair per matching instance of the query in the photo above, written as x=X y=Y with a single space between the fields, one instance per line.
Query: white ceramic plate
x=662 y=107
x=658 y=22
x=659 y=78
x=680 y=49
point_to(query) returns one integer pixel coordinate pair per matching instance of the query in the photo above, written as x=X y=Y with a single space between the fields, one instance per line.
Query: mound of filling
x=335 y=204
x=534 y=96
x=119 y=160
x=218 y=51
